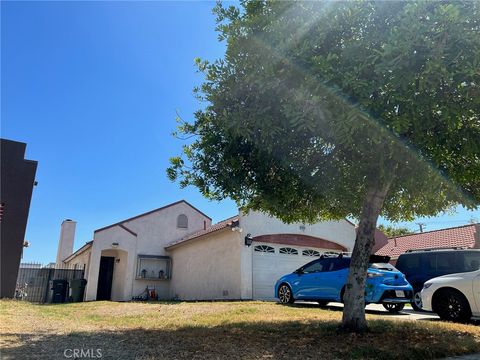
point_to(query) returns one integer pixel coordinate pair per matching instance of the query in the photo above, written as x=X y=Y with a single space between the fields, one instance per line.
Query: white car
x=454 y=297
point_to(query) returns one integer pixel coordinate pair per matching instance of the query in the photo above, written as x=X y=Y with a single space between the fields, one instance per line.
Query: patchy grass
x=214 y=330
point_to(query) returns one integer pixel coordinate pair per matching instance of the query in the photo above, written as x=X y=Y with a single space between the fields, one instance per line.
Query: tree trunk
x=354 y=297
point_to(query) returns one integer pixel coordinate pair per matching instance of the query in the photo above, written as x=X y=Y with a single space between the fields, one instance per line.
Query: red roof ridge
x=430 y=231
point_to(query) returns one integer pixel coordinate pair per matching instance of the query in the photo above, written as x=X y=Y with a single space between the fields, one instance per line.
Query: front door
x=105 y=276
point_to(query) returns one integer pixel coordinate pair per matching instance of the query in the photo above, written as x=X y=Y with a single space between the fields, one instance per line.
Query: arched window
x=182 y=221
x=288 y=251
x=264 y=248
x=310 y=252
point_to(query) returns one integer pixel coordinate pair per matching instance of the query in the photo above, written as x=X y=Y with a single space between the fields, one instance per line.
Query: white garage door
x=270 y=262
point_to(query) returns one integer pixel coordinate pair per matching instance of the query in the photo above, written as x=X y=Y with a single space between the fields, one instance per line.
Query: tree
x=392 y=231
x=323 y=110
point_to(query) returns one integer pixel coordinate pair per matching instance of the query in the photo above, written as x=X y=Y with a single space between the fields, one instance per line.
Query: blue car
x=323 y=280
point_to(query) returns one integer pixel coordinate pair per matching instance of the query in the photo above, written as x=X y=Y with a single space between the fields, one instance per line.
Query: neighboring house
x=17 y=178
x=178 y=251
x=466 y=236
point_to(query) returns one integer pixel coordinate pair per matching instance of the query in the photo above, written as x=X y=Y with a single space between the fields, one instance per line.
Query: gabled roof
x=151 y=212
x=216 y=227
x=461 y=236
x=87 y=246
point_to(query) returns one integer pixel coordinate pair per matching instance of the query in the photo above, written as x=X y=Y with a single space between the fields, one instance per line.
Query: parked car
x=454 y=297
x=422 y=265
x=323 y=280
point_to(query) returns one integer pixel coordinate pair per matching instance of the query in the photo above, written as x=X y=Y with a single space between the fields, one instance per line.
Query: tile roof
x=461 y=236
x=216 y=227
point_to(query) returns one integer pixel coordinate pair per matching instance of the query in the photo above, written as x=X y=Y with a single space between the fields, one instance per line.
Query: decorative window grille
x=310 y=252
x=264 y=249
x=182 y=221
x=288 y=251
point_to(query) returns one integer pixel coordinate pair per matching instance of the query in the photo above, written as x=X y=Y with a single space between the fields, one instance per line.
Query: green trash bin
x=77 y=287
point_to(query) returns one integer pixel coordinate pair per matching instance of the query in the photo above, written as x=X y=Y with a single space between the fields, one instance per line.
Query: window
x=264 y=249
x=313 y=267
x=341 y=264
x=153 y=267
x=310 y=252
x=445 y=262
x=288 y=251
x=182 y=221
x=469 y=261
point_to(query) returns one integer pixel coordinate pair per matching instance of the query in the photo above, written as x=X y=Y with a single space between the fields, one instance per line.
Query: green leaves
x=314 y=102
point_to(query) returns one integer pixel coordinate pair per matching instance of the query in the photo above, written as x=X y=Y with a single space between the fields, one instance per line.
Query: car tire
x=417 y=302
x=451 y=305
x=393 y=308
x=285 y=294
x=322 y=303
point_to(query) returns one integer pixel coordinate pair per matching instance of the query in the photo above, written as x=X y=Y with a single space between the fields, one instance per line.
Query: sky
x=93 y=88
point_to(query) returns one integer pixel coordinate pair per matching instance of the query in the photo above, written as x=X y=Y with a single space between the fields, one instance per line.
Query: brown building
x=17 y=177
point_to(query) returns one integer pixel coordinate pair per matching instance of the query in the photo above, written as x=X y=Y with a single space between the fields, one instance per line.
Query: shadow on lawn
x=249 y=340
x=340 y=309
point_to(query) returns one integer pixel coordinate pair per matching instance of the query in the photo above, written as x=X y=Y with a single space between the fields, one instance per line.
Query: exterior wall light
x=115 y=244
x=248 y=240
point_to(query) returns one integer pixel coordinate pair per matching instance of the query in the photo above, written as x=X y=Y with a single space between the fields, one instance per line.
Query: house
x=466 y=236
x=17 y=176
x=177 y=251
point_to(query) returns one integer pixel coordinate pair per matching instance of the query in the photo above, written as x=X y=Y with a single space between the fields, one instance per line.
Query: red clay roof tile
x=461 y=236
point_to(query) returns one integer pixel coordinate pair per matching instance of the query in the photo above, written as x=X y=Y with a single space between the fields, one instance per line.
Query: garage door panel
x=269 y=267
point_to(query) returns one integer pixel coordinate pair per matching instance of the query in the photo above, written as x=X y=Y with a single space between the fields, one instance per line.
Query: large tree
x=323 y=110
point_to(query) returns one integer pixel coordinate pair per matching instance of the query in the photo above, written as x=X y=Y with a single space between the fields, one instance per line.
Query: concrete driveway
x=406 y=314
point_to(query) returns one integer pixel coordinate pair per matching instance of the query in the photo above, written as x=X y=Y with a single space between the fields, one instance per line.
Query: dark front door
x=105 y=275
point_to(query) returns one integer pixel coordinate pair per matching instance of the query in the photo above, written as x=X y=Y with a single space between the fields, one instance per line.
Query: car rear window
x=383 y=266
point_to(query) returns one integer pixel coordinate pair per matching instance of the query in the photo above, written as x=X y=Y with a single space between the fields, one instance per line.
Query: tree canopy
x=323 y=110
x=392 y=231
x=313 y=101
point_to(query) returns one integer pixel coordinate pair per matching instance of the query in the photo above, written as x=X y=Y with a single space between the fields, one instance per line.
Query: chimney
x=65 y=244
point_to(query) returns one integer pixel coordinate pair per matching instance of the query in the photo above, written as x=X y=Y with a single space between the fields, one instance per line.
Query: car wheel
x=417 y=302
x=393 y=308
x=322 y=303
x=285 y=294
x=451 y=306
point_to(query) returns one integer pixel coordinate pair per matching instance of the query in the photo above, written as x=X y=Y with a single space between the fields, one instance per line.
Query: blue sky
x=93 y=89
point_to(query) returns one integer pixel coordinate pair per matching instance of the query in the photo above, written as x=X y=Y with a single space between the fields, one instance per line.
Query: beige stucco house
x=177 y=251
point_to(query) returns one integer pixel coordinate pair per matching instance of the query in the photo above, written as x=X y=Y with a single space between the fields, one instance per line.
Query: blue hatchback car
x=323 y=280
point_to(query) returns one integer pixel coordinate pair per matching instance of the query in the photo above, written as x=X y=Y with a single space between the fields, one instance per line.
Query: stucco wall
x=80 y=261
x=341 y=232
x=153 y=232
x=256 y=223
x=208 y=268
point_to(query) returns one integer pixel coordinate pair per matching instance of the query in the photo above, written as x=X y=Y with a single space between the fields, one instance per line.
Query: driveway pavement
x=406 y=314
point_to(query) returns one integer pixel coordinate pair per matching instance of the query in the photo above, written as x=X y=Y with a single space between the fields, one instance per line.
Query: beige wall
x=257 y=223
x=81 y=260
x=154 y=231
x=208 y=268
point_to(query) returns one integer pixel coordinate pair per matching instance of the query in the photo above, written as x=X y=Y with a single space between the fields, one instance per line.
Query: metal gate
x=34 y=281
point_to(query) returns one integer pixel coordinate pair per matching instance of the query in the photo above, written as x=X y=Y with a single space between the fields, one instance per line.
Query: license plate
x=399 y=293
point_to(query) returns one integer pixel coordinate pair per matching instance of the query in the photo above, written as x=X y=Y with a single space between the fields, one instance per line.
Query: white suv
x=454 y=297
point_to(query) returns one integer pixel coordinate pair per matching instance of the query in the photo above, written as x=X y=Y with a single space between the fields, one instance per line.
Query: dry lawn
x=218 y=330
